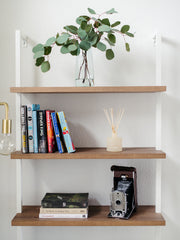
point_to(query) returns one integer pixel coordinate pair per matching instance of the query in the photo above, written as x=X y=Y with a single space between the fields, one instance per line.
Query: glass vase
x=84 y=69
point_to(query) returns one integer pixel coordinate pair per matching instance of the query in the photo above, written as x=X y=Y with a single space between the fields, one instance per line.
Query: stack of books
x=64 y=205
x=44 y=131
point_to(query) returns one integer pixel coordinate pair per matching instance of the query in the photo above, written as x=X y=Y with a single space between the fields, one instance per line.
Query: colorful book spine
x=57 y=133
x=35 y=137
x=30 y=108
x=41 y=131
x=50 y=133
x=24 y=129
x=66 y=133
x=41 y=215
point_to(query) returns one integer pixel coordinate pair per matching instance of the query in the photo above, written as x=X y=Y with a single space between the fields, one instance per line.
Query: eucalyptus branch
x=89 y=33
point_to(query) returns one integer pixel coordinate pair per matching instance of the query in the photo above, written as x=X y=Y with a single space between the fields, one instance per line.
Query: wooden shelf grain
x=98 y=89
x=95 y=153
x=145 y=216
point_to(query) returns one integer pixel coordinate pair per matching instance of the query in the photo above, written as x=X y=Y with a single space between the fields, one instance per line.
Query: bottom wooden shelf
x=145 y=216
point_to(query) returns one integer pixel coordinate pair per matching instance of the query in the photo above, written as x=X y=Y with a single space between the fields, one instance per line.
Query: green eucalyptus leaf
x=94 y=40
x=81 y=33
x=86 y=17
x=73 y=41
x=112 y=10
x=91 y=34
x=129 y=34
x=39 y=47
x=83 y=25
x=98 y=39
x=110 y=43
x=109 y=54
x=39 y=61
x=63 y=38
x=50 y=41
x=64 y=50
x=90 y=10
x=101 y=46
x=47 y=50
x=92 y=37
x=104 y=28
x=45 y=66
x=71 y=28
x=116 y=24
x=88 y=28
x=125 y=28
x=112 y=37
x=81 y=19
x=85 y=45
x=72 y=47
x=127 y=47
x=39 y=54
x=105 y=21
x=76 y=52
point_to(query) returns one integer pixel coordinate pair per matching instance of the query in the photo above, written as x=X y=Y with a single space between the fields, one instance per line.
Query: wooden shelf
x=95 y=153
x=99 y=89
x=145 y=216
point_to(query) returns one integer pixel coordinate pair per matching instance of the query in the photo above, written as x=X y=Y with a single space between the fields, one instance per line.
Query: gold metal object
x=6 y=123
x=6 y=126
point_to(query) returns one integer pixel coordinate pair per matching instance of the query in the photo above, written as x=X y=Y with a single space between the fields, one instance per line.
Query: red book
x=50 y=133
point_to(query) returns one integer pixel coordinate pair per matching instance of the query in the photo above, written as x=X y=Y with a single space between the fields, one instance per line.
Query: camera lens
x=118 y=202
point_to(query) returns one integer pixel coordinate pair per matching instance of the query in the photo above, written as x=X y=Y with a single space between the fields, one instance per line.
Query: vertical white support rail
x=158 y=43
x=18 y=131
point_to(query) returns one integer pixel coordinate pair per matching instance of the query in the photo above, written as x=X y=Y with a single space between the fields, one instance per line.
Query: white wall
x=40 y=20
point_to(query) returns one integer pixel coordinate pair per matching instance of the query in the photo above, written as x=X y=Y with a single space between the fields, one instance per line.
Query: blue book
x=66 y=132
x=35 y=138
x=57 y=132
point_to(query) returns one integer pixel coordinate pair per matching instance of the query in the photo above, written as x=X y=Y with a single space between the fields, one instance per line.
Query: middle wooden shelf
x=95 y=153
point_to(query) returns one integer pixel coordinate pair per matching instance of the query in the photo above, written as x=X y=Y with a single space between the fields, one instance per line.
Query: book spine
x=24 y=129
x=41 y=130
x=63 y=210
x=66 y=133
x=35 y=137
x=30 y=128
x=57 y=133
x=41 y=215
x=50 y=133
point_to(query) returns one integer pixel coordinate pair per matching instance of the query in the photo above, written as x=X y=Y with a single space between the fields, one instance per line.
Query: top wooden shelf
x=99 y=89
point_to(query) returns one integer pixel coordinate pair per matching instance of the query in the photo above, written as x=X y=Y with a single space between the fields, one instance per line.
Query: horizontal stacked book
x=44 y=131
x=64 y=205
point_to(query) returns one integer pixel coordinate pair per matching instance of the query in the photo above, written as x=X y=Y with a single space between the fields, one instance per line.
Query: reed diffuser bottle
x=114 y=143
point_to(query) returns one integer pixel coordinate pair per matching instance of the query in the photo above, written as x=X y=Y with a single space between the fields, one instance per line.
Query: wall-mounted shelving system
x=145 y=215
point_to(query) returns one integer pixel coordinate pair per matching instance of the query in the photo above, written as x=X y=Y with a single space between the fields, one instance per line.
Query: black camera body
x=124 y=192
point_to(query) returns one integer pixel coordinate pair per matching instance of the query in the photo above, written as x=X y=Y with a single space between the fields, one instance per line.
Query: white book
x=44 y=215
x=63 y=210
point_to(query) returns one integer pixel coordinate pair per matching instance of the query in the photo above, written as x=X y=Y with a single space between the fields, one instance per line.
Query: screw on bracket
x=24 y=42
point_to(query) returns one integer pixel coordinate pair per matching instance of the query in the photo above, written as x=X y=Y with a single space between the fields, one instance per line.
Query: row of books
x=64 y=205
x=44 y=131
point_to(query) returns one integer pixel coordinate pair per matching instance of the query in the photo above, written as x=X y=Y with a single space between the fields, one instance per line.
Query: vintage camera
x=124 y=192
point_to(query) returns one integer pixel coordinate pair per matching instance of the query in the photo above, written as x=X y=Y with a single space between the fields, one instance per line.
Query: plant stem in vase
x=84 y=69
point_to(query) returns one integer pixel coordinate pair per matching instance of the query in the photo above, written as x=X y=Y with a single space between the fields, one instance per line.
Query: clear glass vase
x=84 y=69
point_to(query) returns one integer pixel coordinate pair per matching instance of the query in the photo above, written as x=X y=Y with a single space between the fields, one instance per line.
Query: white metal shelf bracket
x=158 y=60
x=18 y=130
